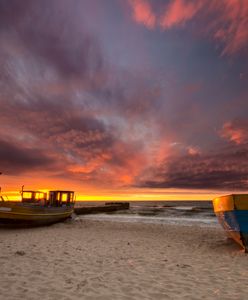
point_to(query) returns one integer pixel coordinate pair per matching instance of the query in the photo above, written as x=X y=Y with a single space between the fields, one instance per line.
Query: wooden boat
x=232 y=213
x=37 y=208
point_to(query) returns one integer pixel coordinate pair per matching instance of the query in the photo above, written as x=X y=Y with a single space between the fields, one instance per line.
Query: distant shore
x=87 y=259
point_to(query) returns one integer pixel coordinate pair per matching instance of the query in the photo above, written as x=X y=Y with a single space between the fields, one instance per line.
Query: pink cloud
x=193 y=151
x=142 y=13
x=178 y=12
x=233 y=24
x=224 y=21
x=235 y=132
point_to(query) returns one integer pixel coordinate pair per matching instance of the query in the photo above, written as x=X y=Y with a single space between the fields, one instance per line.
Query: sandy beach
x=87 y=259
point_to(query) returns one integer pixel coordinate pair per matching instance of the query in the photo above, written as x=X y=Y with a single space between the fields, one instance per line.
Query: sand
x=87 y=259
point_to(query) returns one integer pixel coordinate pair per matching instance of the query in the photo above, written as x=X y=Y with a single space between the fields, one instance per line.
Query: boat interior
x=51 y=198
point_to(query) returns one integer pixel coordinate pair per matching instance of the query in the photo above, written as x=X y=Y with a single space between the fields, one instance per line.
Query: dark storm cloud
x=227 y=170
x=15 y=159
x=51 y=30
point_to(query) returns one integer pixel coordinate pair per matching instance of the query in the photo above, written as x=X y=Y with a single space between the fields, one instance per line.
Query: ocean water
x=161 y=212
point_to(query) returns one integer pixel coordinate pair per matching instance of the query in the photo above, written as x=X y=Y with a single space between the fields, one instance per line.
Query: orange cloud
x=142 y=13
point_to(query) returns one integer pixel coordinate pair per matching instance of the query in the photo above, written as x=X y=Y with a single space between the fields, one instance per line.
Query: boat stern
x=232 y=214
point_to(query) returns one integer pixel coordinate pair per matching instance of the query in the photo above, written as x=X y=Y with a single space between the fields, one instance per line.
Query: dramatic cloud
x=110 y=104
x=16 y=159
x=222 y=171
x=55 y=94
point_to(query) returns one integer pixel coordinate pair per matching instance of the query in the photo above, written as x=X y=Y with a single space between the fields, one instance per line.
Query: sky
x=124 y=99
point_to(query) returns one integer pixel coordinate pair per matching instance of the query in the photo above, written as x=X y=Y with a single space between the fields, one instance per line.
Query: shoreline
x=88 y=259
x=163 y=220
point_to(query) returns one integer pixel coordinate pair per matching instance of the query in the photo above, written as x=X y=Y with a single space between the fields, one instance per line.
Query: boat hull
x=19 y=213
x=232 y=214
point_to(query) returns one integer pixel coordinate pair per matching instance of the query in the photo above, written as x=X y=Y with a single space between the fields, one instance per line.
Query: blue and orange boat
x=232 y=213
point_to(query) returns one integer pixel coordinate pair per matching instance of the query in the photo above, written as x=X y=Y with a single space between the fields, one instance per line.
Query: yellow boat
x=37 y=208
x=232 y=213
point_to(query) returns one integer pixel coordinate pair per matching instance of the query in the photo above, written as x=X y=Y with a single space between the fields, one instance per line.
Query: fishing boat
x=37 y=208
x=232 y=213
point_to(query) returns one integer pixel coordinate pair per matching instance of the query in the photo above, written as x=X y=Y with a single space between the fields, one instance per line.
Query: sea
x=160 y=212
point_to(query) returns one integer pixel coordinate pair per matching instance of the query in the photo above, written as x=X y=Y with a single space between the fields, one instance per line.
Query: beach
x=90 y=259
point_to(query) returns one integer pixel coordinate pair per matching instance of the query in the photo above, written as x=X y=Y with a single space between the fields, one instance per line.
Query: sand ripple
x=87 y=259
